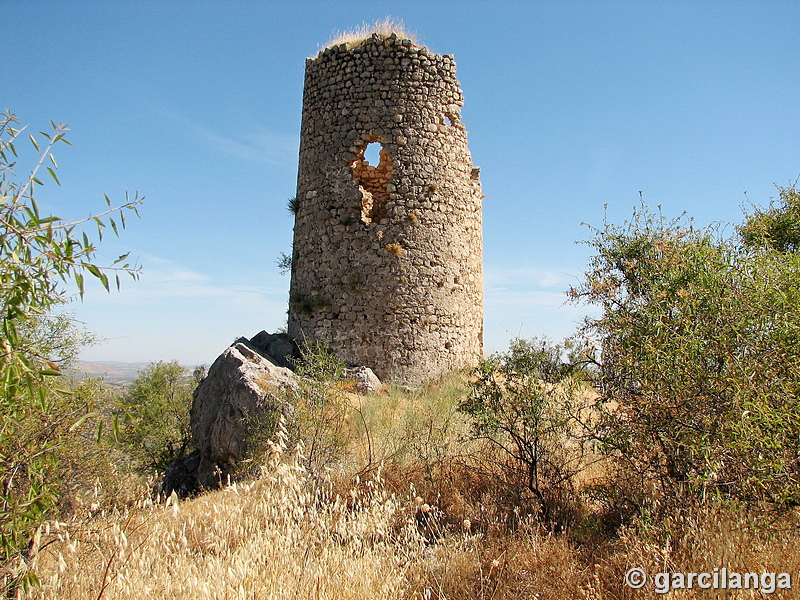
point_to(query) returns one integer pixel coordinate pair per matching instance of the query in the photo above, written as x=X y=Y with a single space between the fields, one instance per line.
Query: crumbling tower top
x=380 y=30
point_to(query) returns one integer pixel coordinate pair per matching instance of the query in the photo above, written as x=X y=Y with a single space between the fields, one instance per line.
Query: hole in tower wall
x=372 y=154
x=372 y=170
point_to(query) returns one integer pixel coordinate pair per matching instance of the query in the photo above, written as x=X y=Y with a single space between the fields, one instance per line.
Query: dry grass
x=276 y=537
x=410 y=514
x=700 y=540
x=383 y=28
x=395 y=249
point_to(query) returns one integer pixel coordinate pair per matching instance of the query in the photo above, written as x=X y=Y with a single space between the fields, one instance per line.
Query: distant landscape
x=113 y=373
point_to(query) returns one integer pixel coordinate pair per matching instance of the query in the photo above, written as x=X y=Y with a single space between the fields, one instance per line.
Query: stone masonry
x=387 y=258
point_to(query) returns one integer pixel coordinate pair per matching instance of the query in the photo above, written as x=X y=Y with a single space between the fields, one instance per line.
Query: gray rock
x=242 y=388
x=277 y=346
x=366 y=380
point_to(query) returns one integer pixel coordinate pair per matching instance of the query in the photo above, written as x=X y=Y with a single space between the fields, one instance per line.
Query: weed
x=293 y=205
x=383 y=29
x=284 y=263
x=395 y=249
x=355 y=282
x=308 y=304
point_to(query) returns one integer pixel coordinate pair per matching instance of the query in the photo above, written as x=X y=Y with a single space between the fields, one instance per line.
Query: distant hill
x=112 y=372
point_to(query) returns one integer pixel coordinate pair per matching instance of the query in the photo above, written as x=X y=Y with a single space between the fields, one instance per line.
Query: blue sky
x=570 y=107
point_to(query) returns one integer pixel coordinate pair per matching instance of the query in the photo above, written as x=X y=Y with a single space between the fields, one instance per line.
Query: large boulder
x=243 y=389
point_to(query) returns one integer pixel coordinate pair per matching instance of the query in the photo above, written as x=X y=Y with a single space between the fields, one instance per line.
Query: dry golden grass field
x=407 y=509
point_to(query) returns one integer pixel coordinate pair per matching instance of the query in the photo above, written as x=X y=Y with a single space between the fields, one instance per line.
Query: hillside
x=403 y=507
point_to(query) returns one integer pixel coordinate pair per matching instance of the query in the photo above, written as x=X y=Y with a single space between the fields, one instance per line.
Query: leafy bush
x=700 y=353
x=778 y=226
x=37 y=254
x=320 y=407
x=312 y=416
x=156 y=428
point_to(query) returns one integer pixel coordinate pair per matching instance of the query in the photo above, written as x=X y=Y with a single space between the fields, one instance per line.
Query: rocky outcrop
x=243 y=389
x=246 y=387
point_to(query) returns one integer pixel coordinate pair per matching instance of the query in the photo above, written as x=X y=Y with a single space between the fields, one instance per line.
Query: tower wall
x=387 y=258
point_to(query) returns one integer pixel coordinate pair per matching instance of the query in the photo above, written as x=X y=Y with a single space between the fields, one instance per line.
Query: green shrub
x=37 y=254
x=155 y=428
x=777 y=227
x=319 y=407
x=700 y=346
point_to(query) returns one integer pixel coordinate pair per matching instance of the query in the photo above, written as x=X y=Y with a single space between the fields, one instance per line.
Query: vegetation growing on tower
x=383 y=28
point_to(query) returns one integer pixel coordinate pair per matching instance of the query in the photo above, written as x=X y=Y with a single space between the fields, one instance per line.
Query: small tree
x=156 y=429
x=37 y=255
x=525 y=402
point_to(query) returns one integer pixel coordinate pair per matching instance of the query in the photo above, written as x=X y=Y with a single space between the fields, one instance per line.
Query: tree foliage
x=156 y=431
x=39 y=255
x=528 y=403
x=776 y=227
x=700 y=344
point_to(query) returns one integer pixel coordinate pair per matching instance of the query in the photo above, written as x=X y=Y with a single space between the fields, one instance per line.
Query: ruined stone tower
x=387 y=257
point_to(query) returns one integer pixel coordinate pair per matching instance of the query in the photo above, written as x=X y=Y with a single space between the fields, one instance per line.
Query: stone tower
x=387 y=257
